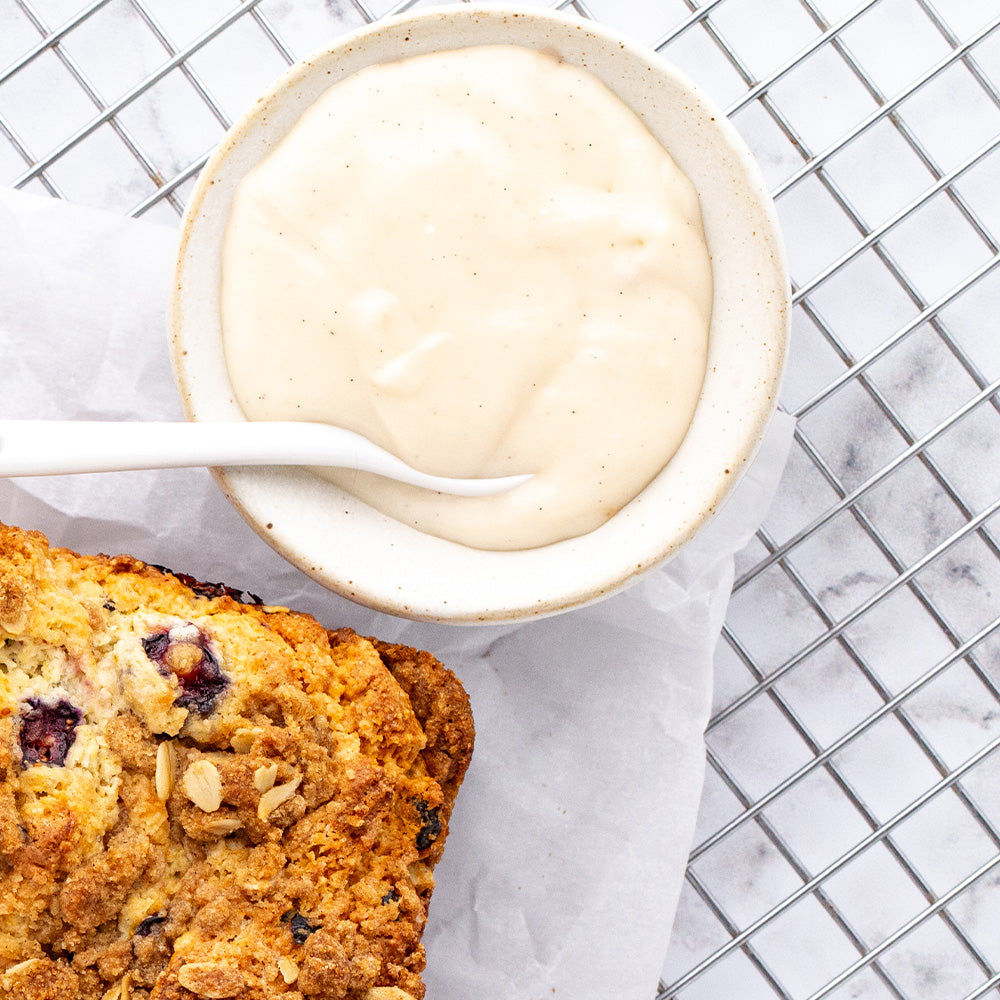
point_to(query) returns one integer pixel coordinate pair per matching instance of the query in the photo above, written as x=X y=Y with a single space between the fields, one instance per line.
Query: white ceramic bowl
x=373 y=560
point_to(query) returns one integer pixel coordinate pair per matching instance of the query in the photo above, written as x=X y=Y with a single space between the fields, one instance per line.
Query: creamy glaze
x=482 y=260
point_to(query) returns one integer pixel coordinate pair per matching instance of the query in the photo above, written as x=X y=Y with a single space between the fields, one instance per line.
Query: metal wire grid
x=852 y=643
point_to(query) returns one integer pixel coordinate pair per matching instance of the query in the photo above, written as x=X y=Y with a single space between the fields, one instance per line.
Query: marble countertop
x=849 y=837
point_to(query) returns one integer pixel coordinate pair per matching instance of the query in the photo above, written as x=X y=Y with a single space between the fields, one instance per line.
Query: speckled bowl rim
x=372 y=560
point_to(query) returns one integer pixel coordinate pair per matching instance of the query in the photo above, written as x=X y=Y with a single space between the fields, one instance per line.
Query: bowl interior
x=371 y=559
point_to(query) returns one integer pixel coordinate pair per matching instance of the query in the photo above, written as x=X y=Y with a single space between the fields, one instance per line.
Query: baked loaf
x=204 y=797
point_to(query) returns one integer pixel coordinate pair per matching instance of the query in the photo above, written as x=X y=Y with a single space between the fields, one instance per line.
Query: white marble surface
x=870 y=599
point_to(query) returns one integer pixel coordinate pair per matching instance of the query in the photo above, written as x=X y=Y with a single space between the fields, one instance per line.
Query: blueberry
x=48 y=731
x=390 y=897
x=150 y=924
x=299 y=926
x=431 y=829
x=201 y=681
x=202 y=687
x=155 y=646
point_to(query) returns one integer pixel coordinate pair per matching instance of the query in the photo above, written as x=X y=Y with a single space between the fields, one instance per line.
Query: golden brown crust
x=201 y=797
x=442 y=707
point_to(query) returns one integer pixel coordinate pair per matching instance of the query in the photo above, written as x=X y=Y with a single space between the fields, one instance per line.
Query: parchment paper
x=568 y=845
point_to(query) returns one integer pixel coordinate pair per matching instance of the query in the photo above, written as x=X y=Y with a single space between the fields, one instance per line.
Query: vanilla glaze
x=482 y=260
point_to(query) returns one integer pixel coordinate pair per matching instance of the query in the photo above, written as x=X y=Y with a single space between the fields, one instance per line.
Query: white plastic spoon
x=62 y=447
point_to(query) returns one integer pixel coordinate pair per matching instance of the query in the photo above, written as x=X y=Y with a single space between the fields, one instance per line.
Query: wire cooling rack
x=849 y=838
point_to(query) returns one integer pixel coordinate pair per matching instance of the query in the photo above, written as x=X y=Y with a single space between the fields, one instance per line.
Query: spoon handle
x=63 y=447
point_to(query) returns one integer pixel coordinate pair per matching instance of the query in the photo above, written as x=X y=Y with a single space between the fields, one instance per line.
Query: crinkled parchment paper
x=569 y=841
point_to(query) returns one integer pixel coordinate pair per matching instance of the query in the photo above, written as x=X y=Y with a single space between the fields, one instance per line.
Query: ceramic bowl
x=378 y=562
